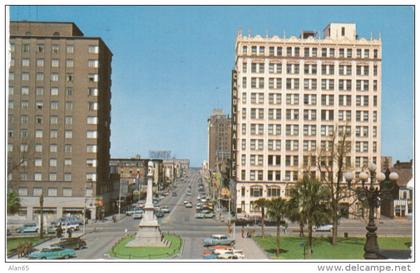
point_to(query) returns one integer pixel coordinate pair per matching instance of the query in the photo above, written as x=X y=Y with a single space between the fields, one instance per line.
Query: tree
x=294 y=215
x=332 y=162
x=13 y=202
x=262 y=203
x=308 y=197
x=277 y=212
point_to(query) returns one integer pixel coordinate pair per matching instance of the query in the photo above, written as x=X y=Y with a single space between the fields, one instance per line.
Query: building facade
x=290 y=96
x=59 y=115
x=219 y=139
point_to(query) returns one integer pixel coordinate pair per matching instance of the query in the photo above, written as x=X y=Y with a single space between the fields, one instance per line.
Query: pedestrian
x=114 y=219
x=59 y=231
x=69 y=232
x=285 y=227
x=242 y=231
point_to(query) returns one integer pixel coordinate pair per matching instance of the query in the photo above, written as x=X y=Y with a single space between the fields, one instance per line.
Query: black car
x=73 y=243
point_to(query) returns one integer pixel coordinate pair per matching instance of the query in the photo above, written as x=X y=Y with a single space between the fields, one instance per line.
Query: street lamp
x=372 y=195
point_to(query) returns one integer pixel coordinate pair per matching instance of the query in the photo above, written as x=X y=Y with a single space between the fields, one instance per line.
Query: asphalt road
x=101 y=236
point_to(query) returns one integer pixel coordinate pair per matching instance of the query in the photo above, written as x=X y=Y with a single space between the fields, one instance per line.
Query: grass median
x=119 y=250
x=350 y=248
x=13 y=243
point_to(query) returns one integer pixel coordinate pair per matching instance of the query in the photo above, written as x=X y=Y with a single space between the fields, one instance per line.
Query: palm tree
x=310 y=197
x=262 y=203
x=294 y=215
x=13 y=202
x=277 y=211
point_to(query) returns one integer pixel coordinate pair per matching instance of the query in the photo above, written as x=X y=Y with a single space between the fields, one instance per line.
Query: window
x=39 y=76
x=92 y=120
x=68 y=148
x=39 y=91
x=67 y=177
x=67 y=162
x=93 y=106
x=54 y=105
x=93 y=92
x=67 y=192
x=25 y=62
x=53 y=162
x=52 y=191
x=37 y=177
x=25 y=48
x=93 y=63
x=69 y=63
x=25 y=76
x=68 y=134
x=53 y=148
x=38 y=133
x=93 y=77
x=38 y=148
x=23 y=191
x=90 y=148
x=256 y=191
x=93 y=49
x=91 y=134
x=54 y=77
x=37 y=191
x=91 y=176
x=70 y=49
x=69 y=105
x=53 y=133
x=55 y=63
x=54 y=91
x=55 y=49
x=38 y=162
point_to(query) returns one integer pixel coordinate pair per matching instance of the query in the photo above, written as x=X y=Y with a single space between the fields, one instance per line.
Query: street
x=101 y=236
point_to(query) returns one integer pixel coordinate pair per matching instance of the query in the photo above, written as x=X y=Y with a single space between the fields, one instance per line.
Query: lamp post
x=372 y=195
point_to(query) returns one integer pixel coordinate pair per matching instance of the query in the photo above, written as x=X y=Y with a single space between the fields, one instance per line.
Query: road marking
x=167 y=218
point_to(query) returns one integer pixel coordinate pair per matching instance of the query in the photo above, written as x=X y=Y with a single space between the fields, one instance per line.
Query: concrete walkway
x=250 y=248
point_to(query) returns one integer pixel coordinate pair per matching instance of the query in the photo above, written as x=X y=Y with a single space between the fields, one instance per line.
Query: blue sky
x=172 y=66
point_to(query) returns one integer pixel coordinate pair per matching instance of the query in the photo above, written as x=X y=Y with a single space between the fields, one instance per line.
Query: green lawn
x=351 y=248
x=120 y=250
x=12 y=243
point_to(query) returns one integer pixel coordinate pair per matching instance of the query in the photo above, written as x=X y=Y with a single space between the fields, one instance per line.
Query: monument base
x=148 y=236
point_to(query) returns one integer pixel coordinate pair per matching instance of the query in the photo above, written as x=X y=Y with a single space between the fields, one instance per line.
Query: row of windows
x=54 y=49
x=53 y=162
x=53 y=148
x=308 y=99
x=311 y=69
x=67 y=192
x=257 y=191
x=54 y=91
x=308 y=145
x=55 y=63
x=293 y=160
x=38 y=176
x=54 y=105
x=54 y=77
x=309 y=52
x=309 y=84
x=294 y=114
x=292 y=175
x=39 y=133
x=53 y=120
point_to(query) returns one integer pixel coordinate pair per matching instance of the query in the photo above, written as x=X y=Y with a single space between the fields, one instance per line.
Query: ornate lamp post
x=372 y=195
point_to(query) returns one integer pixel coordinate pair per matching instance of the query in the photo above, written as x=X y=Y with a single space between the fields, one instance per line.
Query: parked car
x=188 y=193
x=199 y=215
x=138 y=214
x=230 y=256
x=210 y=257
x=72 y=243
x=131 y=210
x=186 y=201
x=218 y=239
x=209 y=215
x=188 y=205
x=28 y=228
x=174 y=194
x=165 y=209
x=159 y=214
x=53 y=253
x=322 y=228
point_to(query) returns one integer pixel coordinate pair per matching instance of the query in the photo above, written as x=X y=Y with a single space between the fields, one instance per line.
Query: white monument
x=149 y=233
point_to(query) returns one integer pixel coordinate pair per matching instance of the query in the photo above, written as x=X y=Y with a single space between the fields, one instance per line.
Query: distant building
x=386 y=163
x=219 y=140
x=401 y=203
x=59 y=115
x=289 y=95
x=160 y=154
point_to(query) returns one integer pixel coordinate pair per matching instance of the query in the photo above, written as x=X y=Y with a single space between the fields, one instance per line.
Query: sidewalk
x=250 y=248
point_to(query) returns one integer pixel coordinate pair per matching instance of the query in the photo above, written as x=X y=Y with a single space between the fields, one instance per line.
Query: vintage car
x=199 y=215
x=28 y=228
x=323 y=228
x=72 y=243
x=218 y=239
x=53 y=253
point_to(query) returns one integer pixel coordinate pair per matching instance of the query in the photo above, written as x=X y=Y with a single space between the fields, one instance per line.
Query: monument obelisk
x=149 y=233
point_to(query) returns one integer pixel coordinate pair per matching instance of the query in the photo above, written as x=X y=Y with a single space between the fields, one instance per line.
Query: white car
x=188 y=205
x=327 y=227
x=186 y=201
x=138 y=215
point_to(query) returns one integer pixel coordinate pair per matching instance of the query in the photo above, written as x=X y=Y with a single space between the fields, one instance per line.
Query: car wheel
x=66 y=257
x=43 y=258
